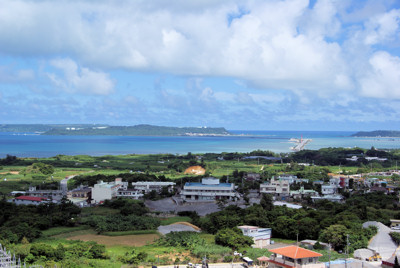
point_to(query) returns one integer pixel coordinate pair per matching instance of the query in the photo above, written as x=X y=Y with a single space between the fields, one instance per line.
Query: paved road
x=64 y=184
x=382 y=242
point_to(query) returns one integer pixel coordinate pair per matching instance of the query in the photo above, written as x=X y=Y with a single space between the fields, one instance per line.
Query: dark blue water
x=28 y=145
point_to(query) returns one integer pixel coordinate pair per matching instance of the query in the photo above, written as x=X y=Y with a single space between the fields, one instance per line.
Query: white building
x=328 y=189
x=148 y=186
x=279 y=188
x=288 y=178
x=332 y=198
x=209 y=189
x=129 y=193
x=261 y=236
x=105 y=191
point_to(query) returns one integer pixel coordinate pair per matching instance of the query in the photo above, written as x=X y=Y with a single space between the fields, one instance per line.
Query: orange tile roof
x=296 y=252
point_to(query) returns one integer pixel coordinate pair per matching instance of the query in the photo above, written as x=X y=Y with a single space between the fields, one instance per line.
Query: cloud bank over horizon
x=254 y=64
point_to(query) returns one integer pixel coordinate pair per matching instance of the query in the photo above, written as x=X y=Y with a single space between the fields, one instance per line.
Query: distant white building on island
x=210 y=189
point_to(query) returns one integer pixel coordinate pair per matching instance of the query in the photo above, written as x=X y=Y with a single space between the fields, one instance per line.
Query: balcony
x=287 y=264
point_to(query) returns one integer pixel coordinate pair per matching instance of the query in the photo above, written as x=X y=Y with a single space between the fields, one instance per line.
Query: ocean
x=30 y=145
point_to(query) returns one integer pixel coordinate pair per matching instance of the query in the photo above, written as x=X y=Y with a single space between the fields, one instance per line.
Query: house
x=328 y=189
x=288 y=178
x=302 y=192
x=261 y=236
x=147 y=186
x=394 y=223
x=52 y=194
x=376 y=188
x=251 y=176
x=105 y=191
x=278 y=188
x=30 y=200
x=294 y=256
x=209 y=189
x=81 y=192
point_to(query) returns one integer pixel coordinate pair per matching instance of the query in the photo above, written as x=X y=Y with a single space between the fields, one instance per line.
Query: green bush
x=395 y=237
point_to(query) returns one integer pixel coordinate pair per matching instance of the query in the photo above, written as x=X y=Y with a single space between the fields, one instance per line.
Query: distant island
x=377 y=133
x=107 y=130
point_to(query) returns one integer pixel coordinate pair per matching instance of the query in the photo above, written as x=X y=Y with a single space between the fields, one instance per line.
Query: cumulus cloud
x=274 y=44
x=383 y=27
x=80 y=79
x=383 y=80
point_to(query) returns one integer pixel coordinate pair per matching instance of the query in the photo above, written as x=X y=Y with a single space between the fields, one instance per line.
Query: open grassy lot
x=125 y=240
x=171 y=220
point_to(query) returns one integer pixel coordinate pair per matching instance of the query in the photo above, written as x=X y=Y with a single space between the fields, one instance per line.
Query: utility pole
x=347 y=250
x=329 y=255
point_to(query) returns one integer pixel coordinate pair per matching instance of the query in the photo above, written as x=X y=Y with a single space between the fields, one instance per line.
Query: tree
x=133 y=257
x=335 y=235
x=98 y=251
x=233 y=238
x=266 y=202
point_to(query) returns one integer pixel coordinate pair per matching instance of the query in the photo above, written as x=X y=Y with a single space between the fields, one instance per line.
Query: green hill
x=377 y=133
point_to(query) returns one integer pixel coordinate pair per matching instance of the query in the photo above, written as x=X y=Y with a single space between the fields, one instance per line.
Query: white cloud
x=383 y=27
x=383 y=80
x=80 y=79
x=273 y=45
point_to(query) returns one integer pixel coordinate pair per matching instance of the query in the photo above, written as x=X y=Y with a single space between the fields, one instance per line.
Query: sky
x=242 y=65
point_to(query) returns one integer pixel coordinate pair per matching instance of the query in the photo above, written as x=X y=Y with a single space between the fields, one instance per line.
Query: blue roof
x=199 y=184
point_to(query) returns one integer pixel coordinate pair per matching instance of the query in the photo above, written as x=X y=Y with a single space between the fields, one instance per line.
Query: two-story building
x=328 y=189
x=129 y=193
x=277 y=188
x=209 y=189
x=146 y=187
x=261 y=236
x=294 y=257
x=302 y=193
x=51 y=194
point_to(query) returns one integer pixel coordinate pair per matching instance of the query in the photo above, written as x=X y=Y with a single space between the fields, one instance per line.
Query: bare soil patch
x=126 y=240
x=196 y=170
x=10 y=172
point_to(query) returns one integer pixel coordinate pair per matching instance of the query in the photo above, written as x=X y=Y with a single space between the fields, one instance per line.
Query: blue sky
x=256 y=65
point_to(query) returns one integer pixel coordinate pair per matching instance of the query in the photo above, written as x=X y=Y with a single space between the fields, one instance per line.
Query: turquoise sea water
x=28 y=145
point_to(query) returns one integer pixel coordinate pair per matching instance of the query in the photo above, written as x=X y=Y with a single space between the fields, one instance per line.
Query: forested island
x=377 y=133
x=103 y=130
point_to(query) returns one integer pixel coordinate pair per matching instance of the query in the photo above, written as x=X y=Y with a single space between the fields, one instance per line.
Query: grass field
x=125 y=240
x=63 y=230
x=171 y=220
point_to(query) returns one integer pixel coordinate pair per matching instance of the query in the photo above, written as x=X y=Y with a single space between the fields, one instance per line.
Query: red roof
x=31 y=198
x=295 y=252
